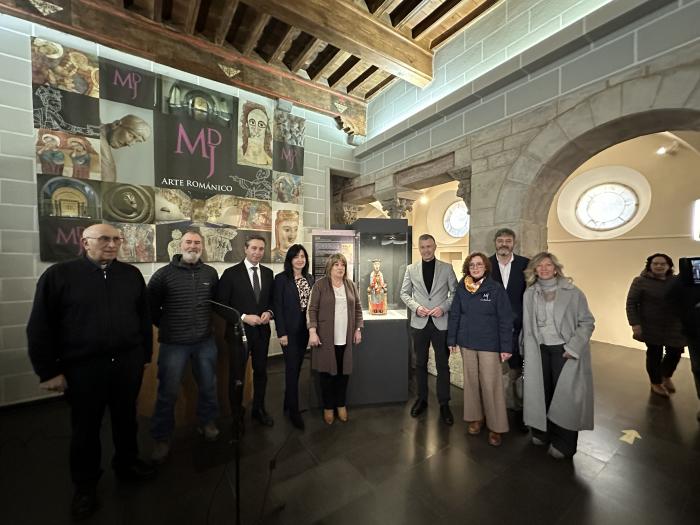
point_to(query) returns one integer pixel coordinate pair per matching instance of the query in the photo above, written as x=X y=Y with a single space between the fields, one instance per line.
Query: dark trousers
x=94 y=385
x=258 y=346
x=562 y=439
x=334 y=387
x=293 y=361
x=422 y=337
x=516 y=360
x=694 y=351
x=660 y=365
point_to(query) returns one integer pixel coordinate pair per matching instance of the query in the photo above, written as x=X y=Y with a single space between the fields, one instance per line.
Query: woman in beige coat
x=557 y=329
x=334 y=318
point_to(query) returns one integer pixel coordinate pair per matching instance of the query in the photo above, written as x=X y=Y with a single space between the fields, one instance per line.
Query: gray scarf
x=545 y=292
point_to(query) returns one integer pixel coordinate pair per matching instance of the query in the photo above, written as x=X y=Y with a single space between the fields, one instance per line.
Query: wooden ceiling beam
x=101 y=23
x=388 y=80
x=192 y=16
x=283 y=46
x=348 y=27
x=439 y=14
x=379 y=7
x=304 y=54
x=320 y=66
x=225 y=22
x=406 y=12
x=352 y=86
x=157 y=10
x=256 y=29
x=477 y=11
x=342 y=71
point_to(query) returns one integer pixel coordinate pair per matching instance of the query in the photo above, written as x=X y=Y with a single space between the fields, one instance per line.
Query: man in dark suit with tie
x=508 y=269
x=247 y=287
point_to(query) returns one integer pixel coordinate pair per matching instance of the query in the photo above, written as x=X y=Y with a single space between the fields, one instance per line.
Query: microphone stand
x=237 y=360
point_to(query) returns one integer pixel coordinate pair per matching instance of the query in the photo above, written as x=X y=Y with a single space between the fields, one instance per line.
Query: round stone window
x=607 y=206
x=456 y=220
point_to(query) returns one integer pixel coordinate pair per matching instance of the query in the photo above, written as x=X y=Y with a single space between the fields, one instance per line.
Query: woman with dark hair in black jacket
x=291 y=297
x=654 y=322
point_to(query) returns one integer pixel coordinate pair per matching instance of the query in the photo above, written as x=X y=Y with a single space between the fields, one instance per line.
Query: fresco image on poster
x=254 y=134
x=128 y=203
x=65 y=68
x=168 y=238
x=172 y=205
x=60 y=238
x=238 y=244
x=244 y=214
x=66 y=197
x=253 y=183
x=193 y=155
x=139 y=244
x=62 y=111
x=289 y=159
x=60 y=153
x=127 y=84
x=126 y=143
x=198 y=103
x=289 y=128
x=286 y=188
x=286 y=230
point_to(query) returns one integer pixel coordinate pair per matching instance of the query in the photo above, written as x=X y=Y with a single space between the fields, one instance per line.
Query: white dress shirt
x=505 y=270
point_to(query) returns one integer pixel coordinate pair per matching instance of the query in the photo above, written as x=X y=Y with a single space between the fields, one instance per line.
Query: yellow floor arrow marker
x=629 y=436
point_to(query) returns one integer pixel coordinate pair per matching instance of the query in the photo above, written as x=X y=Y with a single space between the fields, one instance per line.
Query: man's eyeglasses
x=105 y=239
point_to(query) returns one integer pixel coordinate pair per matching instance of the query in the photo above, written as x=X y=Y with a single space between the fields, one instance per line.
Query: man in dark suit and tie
x=247 y=287
x=508 y=269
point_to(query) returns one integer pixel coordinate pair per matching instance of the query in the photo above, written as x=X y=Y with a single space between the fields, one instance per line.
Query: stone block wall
x=20 y=266
x=505 y=31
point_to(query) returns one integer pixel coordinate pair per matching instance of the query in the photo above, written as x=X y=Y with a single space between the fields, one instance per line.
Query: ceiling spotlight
x=423 y=199
x=668 y=150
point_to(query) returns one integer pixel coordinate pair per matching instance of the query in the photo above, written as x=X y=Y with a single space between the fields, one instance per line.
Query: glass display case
x=383 y=251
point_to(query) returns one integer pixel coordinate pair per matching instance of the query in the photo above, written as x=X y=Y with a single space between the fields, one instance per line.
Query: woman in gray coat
x=654 y=322
x=558 y=380
x=334 y=318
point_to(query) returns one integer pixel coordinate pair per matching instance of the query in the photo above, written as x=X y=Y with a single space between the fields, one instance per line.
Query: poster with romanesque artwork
x=286 y=188
x=61 y=153
x=255 y=134
x=286 y=229
x=127 y=84
x=288 y=150
x=154 y=156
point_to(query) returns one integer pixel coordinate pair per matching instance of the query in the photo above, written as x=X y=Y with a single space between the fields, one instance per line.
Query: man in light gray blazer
x=428 y=288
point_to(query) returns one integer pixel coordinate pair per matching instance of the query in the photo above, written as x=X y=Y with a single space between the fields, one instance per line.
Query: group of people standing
x=90 y=336
x=506 y=315
x=664 y=313
x=522 y=328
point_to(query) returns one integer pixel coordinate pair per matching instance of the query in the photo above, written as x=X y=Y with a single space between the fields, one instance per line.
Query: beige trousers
x=483 y=389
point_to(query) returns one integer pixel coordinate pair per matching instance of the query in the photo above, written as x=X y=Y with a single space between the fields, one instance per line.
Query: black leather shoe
x=446 y=415
x=262 y=417
x=84 y=504
x=520 y=422
x=138 y=471
x=296 y=419
x=419 y=407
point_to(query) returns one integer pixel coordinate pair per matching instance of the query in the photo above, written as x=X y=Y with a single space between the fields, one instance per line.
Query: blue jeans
x=171 y=366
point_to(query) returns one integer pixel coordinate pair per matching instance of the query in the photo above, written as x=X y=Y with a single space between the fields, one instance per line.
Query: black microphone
x=238 y=322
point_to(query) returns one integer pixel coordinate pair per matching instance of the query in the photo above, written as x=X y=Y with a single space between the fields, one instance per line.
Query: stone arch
x=575 y=127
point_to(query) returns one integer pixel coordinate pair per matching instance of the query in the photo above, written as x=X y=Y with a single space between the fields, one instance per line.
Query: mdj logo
x=486 y=297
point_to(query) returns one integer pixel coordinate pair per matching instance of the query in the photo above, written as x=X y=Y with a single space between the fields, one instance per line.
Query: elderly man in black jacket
x=89 y=336
x=179 y=295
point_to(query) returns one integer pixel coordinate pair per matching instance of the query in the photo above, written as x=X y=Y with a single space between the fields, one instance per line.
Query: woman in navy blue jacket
x=481 y=326
x=291 y=297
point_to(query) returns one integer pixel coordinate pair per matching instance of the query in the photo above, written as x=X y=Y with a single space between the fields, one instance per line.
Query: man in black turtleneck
x=90 y=335
x=428 y=288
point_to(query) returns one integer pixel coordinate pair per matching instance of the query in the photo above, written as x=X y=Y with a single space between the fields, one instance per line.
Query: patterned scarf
x=471 y=285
